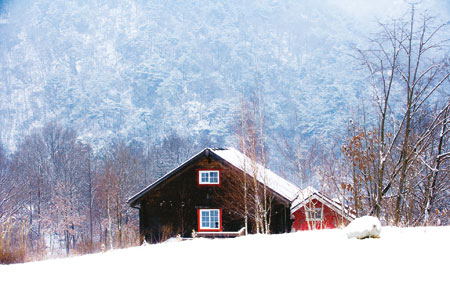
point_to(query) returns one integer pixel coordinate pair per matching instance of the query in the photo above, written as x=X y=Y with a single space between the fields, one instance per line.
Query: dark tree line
x=58 y=195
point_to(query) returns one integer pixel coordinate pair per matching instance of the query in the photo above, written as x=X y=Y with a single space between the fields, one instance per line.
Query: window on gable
x=314 y=214
x=208 y=177
x=209 y=219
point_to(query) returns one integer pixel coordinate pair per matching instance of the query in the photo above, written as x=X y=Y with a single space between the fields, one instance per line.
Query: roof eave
x=346 y=213
x=137 y=198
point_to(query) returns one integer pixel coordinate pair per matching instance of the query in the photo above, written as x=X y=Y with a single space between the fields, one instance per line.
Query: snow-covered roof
x=310 y=193
x=273 y=181
x=277 y=184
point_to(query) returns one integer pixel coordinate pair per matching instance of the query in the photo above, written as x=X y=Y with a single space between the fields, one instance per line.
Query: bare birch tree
x=251 y=136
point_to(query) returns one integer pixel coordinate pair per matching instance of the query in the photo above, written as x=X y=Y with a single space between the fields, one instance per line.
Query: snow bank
x=364 y=227
x=322 y=264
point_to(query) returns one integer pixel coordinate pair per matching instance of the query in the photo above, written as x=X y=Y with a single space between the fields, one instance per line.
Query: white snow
x=307 y=194
x=405 y=263
x=303 y=195
x=364 y=227
x=273 y=181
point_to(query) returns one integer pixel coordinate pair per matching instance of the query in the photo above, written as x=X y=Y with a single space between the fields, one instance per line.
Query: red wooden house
x=312 y=210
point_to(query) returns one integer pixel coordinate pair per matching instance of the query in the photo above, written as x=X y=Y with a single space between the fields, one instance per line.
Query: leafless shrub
x=12 y=242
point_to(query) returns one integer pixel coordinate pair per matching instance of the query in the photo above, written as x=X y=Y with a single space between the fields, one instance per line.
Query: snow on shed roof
x=308 y=194
x=304 y=195
x=276 y=183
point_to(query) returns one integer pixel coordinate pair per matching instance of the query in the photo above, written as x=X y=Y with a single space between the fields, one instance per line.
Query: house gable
x=136 y=199
x=333 y=213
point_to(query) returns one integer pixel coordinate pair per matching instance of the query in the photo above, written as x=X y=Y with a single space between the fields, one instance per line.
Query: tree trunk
x=108 y=212
x=435 y=171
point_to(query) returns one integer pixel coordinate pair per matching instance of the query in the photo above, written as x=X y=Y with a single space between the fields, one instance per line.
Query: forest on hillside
x=138 y=69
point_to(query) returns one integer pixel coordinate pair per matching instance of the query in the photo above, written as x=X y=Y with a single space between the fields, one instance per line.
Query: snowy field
x=408 y=263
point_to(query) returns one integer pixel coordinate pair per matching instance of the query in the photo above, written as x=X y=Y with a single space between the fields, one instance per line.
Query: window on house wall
x=208 y=177
x=314 y=214
x=210 y=219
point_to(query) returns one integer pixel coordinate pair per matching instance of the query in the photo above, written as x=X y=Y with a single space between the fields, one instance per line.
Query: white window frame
x=219 y=221
x=316 y=211
x=208 y=172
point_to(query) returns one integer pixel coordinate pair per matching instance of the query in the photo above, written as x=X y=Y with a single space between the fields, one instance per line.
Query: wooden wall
x=171 y=208
x=331 y=219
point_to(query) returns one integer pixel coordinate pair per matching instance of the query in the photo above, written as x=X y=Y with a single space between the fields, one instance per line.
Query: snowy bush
x=364 y=227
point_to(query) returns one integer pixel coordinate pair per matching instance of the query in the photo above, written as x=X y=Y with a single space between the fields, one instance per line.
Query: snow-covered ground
x=405 y=263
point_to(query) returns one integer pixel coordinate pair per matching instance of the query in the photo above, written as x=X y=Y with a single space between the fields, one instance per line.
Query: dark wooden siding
x=171 y=208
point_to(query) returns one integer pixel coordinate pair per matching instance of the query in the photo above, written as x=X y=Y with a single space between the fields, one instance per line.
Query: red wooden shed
x=313 y=210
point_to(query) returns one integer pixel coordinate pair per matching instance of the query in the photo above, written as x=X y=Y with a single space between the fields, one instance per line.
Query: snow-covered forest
x=100 y=98
x=136 y=69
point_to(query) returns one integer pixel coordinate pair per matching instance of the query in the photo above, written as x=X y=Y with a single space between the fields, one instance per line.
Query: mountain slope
x=139 y=68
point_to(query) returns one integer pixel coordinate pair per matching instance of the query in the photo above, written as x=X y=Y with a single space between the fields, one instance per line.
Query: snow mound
x=364 y=227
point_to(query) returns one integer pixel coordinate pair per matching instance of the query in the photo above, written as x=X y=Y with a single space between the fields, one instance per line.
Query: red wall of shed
x=331 y=219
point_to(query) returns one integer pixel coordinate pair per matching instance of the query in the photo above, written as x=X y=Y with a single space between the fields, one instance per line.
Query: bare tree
x=242 y=144
x=32 y=161
x=119 y=177
x=435 y=160
x=250 y=133
x=10 y=187
x=407 y=68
